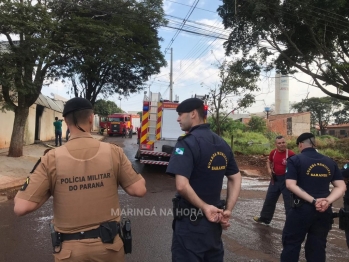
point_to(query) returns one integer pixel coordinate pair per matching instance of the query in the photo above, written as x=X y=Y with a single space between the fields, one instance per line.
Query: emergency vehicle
x=136 y=122
x=115 y=122
x=159 y=130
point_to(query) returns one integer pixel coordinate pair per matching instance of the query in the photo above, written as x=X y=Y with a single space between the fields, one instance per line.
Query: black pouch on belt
x=295 y=201
x=108 y=231
x=126 y=235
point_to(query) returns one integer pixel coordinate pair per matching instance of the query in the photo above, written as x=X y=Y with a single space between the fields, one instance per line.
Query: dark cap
x=303 y=137
x=189 y=105
x=76 y=104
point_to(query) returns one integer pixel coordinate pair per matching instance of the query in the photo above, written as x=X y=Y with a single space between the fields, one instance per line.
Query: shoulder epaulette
x=39 y=161
x=183 y=137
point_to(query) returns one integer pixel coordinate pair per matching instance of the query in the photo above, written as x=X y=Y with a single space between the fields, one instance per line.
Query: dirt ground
x=253 y=166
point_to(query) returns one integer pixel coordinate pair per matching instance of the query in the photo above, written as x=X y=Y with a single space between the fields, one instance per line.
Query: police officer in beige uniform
x=83 y=177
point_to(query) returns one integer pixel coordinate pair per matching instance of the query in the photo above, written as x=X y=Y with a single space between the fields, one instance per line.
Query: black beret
x=189 y=105
x=76 y=104
x=303 y=137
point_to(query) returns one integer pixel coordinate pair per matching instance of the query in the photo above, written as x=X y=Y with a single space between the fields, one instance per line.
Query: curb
x=16 y=184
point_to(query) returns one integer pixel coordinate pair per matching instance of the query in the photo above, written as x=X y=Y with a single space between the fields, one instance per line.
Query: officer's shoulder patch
x=26 y=183
x=179 y=151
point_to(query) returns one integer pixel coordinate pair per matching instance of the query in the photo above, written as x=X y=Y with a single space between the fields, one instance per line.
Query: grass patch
x=253 y=143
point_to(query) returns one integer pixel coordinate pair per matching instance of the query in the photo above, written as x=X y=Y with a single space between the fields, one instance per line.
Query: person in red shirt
x=276 y=165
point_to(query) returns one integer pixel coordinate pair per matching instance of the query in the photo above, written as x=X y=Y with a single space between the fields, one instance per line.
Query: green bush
x=249 y=143
x=325 y=141
x=332 y=153
x=342 y=145
x=255 y=143
x=257 y=124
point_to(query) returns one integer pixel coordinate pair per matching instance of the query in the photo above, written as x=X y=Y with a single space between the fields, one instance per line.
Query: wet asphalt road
x=28 y=238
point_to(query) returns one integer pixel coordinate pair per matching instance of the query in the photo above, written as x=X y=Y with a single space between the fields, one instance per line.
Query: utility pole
x=171 y=76
x=120 y=101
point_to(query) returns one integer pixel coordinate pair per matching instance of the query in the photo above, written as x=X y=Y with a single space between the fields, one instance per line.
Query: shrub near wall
x=254 y=143
x=249 y=143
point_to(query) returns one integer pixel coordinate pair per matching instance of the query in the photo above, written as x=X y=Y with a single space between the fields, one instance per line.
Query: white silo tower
x=282 y=104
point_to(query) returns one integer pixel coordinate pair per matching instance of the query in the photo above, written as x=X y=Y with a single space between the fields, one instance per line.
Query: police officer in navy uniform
x=308 y=175
x=345 y=173
x=199 y=162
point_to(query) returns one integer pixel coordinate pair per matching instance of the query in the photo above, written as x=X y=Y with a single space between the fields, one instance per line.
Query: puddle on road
x=250 y=183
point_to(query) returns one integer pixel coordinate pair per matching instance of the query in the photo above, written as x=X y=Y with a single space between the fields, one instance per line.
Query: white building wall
x=282 y=105
x=6 y=119
x=46 y=131
x=300 y=124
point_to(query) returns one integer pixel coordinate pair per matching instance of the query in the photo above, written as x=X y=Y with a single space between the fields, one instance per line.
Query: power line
x=191 y=10
x=190 y=6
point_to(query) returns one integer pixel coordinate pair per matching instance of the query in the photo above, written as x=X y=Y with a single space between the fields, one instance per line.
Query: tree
x=257 y=124
x=227 y=125
x=238 y=79
x=295 y=36
x=105 y=108
x=321 y=110
x=61 y=34
x=26 y=63
x=342 y=115
x=116 y=46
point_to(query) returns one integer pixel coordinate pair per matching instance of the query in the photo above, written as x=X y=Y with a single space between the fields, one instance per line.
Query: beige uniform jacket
x=83 y=177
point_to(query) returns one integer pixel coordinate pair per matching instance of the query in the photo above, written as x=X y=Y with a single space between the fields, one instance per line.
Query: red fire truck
x=114 y=123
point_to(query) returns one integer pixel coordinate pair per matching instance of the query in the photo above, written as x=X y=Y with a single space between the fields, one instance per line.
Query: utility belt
x=296 y=201
x=106 y=232
x=182 y=209
x=277 y=177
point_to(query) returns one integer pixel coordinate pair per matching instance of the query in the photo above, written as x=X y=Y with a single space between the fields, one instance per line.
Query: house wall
x=290 y=126
x=29 y=131
x=46 y=131
x=300 y=124
x=6 y=120
x=339 y=132
x=278 y=126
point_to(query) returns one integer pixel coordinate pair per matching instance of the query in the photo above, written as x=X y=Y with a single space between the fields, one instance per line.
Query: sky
x=195 y=62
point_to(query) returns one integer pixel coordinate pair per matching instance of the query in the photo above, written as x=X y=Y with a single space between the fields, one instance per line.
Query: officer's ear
x=90 y=119
x=193 y=113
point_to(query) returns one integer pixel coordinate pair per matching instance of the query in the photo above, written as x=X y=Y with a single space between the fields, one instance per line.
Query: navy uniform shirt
x=204 y=158
x=313 y=172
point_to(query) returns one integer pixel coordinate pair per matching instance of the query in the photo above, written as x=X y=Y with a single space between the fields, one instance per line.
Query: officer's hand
x=213 y=214
x=225 y=219
x=321 y=204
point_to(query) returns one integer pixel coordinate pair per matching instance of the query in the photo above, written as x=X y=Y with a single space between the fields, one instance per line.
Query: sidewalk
x=14 y=170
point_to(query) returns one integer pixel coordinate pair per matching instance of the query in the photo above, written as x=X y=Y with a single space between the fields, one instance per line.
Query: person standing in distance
x=276 y=165
x=58 y=131
x=83 y=177
x=308 y=176
x=199 y=162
